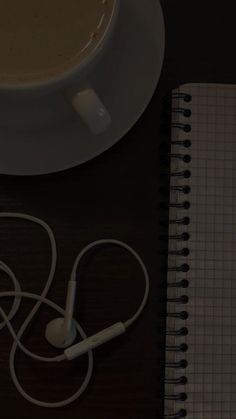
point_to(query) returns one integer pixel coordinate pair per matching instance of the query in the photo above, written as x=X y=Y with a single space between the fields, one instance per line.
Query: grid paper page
x=211 y=322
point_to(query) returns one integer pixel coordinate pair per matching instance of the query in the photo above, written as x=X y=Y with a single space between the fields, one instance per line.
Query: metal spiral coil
x=183 y=268
x=183 y=189
x=181 y=332
x=184 y=283
x=177 y=381
x=183 y=315
x=185 y=96
x=183 y=236
x=182 y=252
x=183 y=127
x=182 y=413
x=182 y=364
x=177 y=348
x=180 y=397
x=183 y=299
x=185 y=112
x=184 y=205
x=183 y=143
x=186 y=174
x=186 y=158
x=184 y=221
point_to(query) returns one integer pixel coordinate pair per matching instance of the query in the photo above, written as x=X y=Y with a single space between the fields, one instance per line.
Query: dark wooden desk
x=115 y=195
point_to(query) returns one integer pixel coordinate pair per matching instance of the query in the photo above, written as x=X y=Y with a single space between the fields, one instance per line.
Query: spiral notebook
x=201 y=307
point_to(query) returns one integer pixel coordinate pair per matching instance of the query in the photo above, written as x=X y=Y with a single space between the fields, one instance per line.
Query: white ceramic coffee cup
x=84 y=99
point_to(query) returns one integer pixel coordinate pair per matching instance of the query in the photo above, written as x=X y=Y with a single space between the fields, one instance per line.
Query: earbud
x=61 y=332
x=57 y=336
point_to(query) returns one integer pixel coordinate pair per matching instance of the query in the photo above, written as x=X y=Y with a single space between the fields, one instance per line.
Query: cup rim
x=60 y=79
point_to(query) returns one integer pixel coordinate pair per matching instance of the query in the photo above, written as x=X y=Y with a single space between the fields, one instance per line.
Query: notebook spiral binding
x=182 y=191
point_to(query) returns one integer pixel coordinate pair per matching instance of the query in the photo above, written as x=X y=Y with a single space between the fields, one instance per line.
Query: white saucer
x=46 y=136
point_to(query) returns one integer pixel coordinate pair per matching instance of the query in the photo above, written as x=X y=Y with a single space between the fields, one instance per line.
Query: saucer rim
x=114 y=138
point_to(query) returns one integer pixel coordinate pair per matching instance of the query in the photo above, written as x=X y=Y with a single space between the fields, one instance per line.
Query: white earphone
x=62 y=331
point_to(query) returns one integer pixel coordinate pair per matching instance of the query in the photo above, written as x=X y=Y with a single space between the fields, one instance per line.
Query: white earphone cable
x=42 y=299
x=136 y=256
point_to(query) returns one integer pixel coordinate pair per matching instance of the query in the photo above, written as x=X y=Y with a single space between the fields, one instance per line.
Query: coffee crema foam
x=40 y=39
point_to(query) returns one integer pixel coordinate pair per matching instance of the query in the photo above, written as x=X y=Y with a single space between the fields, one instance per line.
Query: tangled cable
x=18 y=294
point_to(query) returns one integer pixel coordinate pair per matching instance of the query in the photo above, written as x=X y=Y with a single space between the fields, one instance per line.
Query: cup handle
x=91 y=110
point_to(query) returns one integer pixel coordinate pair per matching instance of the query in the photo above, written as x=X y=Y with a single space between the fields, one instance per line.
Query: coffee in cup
x=41 y=39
